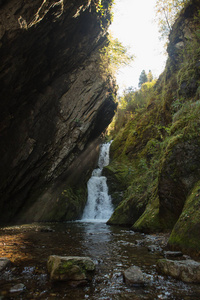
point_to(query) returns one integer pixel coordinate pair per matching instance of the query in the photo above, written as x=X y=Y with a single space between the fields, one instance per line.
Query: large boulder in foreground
x=70 y=268
x=186 y=270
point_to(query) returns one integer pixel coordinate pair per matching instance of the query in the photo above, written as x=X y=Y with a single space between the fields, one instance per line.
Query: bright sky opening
x=135 y=28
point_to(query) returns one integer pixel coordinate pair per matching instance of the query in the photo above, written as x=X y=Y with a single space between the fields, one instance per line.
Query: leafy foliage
x=149 y=76
x=167 y=12
x=114 y=55
x=130 y=103
x=104 y=9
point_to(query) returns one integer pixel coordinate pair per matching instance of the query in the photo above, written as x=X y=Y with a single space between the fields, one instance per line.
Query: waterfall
x=99 y=205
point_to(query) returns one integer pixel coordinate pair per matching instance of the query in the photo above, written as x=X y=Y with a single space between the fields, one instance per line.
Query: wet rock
x=18 y=288
x=139 y=242
x=77 y=283
x=154 y=248
x=186 y=257
x=187 y=270
x=171 y=254
x=134 y=276
x=4 y=262
x=47 y=229
x=70 y=268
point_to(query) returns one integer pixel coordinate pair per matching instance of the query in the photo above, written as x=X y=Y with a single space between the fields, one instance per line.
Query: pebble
x=4 y=262
x=154 y=248
x=17 y=288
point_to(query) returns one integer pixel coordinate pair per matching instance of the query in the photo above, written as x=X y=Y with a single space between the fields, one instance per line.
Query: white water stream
x=99 y=206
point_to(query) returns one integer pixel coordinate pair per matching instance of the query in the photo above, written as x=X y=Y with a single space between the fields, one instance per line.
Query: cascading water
x=99 y=206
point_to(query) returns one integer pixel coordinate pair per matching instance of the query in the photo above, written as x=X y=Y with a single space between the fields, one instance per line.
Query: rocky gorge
x=57 y=98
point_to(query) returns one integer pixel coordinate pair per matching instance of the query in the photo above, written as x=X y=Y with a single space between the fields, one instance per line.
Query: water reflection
x=112 y=248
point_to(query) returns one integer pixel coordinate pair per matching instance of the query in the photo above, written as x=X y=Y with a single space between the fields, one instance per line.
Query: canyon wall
x=56 y=100
x=155 y=167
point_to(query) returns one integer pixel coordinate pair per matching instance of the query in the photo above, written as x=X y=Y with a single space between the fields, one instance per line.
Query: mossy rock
x=149 y=221
x=65 y=204
x=178 y=172
x=68 y=206
x=118 y=179
x=127 y=212
x=70 y=268
x=186 y=233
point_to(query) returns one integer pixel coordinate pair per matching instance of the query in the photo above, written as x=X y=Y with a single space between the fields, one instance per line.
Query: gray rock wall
x=55 y=100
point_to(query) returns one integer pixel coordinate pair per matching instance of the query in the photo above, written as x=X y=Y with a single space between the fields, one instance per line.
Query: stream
x=113 y=249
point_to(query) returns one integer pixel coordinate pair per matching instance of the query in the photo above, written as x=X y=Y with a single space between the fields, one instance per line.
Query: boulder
x=185 y=234
x=171 y=254
x=70 y=268
x=134 y=276
x=4 y=262
x=187 y=270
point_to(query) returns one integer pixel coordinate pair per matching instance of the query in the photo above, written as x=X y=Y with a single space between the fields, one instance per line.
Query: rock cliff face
x=55 y=103
x=155 y=162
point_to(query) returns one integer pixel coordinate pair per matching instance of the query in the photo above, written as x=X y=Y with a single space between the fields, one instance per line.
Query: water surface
x=112 y=248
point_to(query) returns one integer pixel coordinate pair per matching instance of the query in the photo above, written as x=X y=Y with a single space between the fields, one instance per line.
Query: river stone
x=134 y=276
x=70 y=268
x=18 y=288
x=186 y=270
x=4 y=262
x=170 y=254
x=154 y=248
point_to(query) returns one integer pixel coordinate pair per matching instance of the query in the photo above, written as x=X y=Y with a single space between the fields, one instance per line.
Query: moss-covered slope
x=186 y=232
x=156 y=156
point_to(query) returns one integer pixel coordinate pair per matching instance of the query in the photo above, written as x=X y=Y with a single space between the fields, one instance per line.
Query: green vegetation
x=68 y=205
x=167 y=13
x=143 y=78
x=114 y=55
x=104 y=10
x=155 y=153
x=130 y=104
x=150 y=76
x=186 y=231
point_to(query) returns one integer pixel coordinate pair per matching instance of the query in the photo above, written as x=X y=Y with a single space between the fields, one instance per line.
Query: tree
x=114 y=55
x=149 y=76
x=167 y=12
x=142 y=78
x=127 y=97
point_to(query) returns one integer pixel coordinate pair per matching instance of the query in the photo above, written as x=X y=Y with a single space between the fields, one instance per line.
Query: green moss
x=186 y=232
x=146 y=151
x=65 y=267
x=149 y=221
x=68 y=206
x=127 y=212
x=139 y=160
